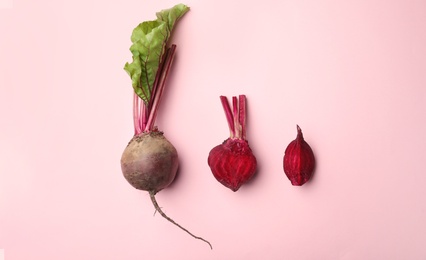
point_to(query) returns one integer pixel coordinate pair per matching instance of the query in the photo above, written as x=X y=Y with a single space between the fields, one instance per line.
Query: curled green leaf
x=149 y=42
x=171 y=16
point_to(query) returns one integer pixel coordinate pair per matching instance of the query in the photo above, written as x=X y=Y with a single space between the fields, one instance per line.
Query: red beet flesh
x=232 y=163
x=299 y=160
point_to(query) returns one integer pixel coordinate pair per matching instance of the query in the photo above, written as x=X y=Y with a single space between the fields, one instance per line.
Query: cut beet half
x=232 y=162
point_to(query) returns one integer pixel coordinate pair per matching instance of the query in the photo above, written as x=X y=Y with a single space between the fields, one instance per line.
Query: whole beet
x=149 y=162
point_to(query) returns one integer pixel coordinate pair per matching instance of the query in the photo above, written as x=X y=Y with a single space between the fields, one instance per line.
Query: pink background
x=351 y=73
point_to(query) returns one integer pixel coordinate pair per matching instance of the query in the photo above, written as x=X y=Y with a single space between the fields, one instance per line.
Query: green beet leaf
x=149 y=42
x=171 y=16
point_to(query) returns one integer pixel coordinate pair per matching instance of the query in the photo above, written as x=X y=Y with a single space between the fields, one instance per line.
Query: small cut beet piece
x=299 y=160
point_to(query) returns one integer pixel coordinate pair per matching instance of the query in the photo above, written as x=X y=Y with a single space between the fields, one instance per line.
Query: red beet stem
x=237 y=117
x=242 y=115
x=136 y=114
x=154 y=201
x=159 y=87
x=228 y=114
x=144 y=114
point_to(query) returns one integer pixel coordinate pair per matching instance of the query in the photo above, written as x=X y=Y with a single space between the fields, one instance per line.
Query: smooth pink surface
x=350 y=73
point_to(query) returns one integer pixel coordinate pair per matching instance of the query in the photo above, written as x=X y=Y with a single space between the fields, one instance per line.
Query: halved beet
x=232 y=162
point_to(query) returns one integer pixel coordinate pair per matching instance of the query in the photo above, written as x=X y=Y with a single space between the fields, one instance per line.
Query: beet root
x=149 y=162
x=232 y=163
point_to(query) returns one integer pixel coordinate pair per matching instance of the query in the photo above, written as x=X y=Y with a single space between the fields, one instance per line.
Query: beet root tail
x=157 y=208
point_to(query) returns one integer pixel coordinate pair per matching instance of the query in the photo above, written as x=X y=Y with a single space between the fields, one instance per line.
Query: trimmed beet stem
x=154 y=202
x=229 y=116
x=237 y=117
x=242 y=115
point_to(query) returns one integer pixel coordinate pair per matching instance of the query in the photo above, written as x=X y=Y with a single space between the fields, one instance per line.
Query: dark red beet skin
x=232 y=163
x=299 y=160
